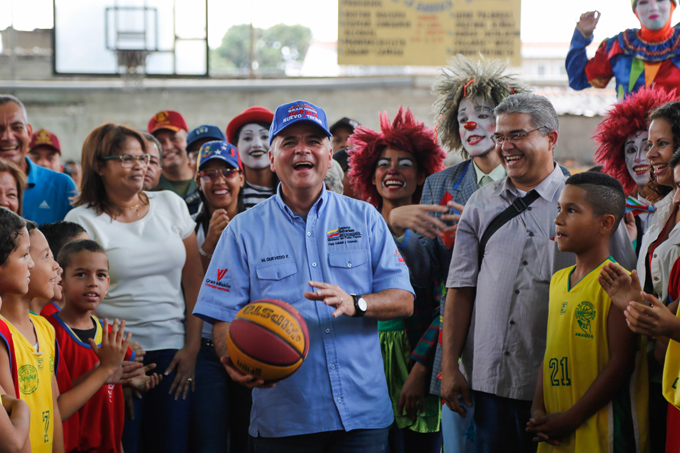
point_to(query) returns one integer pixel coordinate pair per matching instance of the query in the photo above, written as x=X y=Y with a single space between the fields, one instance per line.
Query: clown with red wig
x=622 y=149
x=635 y=57
x=388 y=169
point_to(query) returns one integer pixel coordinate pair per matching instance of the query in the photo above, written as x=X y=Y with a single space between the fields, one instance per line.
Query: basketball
x=268 y=339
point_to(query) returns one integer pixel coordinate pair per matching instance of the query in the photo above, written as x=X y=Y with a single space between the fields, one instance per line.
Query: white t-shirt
x=146 y=259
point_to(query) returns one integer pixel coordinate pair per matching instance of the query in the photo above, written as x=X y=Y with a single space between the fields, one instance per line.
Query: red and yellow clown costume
x=634 y=57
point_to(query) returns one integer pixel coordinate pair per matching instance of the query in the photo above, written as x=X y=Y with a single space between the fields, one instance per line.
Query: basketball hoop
x=132 y=66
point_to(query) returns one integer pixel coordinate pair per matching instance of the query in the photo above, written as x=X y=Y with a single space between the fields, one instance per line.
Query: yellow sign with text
x=427 y=32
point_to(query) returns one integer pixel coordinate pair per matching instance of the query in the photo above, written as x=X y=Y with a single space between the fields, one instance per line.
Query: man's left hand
x=334 y=296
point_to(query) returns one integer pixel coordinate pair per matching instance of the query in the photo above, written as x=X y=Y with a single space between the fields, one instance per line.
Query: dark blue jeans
x=407 y=441
x=500 y=425
x=357 y=441
x=220 y=408
x=161 y=423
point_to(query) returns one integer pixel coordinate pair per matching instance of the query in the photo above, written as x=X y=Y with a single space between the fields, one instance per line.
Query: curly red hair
x=623 y=120
x=405 y=133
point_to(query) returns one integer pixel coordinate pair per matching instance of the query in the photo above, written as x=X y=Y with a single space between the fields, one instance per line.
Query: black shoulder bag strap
x=516 y=208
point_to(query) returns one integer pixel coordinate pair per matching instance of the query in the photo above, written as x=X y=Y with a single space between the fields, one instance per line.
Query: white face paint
x=253 y=145
x=653 y=14
x=476 y=126
x=635 y=154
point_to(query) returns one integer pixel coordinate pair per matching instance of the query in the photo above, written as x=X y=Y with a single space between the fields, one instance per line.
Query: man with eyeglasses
x=171 y=130
x=47 y=197
x=497 y=300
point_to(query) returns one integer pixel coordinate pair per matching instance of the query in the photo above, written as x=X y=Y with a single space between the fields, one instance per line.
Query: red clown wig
x=623 y=120
x=405 y=133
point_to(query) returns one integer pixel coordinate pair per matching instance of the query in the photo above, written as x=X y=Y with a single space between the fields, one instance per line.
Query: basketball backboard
x=89 y=35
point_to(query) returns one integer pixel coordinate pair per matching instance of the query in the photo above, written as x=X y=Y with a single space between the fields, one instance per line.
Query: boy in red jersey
x=85 y=283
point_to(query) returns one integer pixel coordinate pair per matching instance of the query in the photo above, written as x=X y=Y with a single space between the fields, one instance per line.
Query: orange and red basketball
x=268 y=339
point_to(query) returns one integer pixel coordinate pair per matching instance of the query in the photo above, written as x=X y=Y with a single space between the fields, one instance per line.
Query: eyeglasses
x=128 y=160
x=514 y=138
x=209 y=176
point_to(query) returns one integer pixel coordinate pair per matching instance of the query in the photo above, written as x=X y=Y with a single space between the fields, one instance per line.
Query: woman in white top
x=220 y=412
x=155 y=274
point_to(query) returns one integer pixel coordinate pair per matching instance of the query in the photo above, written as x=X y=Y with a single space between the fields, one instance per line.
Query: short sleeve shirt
x=47 y=197
x=146 y=259
x=270 y=252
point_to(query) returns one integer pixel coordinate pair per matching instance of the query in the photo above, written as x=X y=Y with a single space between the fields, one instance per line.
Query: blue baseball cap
x=205 y=131
x=294 y=112
x=219 y=149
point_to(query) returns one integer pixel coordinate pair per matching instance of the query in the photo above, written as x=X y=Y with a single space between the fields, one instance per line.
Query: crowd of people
x=497 y=305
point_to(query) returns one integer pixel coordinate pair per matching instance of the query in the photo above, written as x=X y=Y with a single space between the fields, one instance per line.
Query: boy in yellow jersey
x=591 y=394
x=35 y=346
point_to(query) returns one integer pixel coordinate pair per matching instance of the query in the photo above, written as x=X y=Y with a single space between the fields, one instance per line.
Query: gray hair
x=7 y=98
x=540 y=109
x=154 y=140
x=334 y=177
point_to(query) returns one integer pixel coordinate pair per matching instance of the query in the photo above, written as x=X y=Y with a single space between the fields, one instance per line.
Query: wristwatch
x=360 y=306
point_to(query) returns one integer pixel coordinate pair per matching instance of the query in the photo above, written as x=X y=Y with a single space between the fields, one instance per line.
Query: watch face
x=362 y=304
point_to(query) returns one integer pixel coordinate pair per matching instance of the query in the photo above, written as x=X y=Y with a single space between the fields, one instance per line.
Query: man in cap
x=46 y=198
x=45 y=151
x=339 y=395
x=171 y=131
x=341 y=130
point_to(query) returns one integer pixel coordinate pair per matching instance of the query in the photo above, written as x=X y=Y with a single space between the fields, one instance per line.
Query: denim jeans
x=160 y=423
x=357 y=441
x=220 y=408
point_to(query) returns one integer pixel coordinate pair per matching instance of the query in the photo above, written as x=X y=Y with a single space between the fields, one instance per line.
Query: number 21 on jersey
x=559 y=371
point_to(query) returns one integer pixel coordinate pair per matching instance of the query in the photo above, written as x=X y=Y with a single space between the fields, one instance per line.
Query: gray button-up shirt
x=506 y=340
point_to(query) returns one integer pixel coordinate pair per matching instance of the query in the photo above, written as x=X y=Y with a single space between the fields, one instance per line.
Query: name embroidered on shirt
x=343 y=235
x=273 y=258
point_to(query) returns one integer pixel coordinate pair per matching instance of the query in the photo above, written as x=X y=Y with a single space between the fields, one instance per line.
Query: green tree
x=274 y=46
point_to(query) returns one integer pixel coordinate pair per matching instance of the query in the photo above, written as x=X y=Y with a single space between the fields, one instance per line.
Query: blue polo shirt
x=270 y=252
x=46 y=199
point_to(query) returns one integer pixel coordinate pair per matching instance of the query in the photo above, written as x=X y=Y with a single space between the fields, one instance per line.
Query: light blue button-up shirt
x=270 y=252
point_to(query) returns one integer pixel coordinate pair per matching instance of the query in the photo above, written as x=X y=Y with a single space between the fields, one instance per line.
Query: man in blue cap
x=334 y=260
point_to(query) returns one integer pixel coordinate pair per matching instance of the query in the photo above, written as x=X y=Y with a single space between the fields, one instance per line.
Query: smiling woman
x=155 y=275
x=12 y=185
x=389 y=169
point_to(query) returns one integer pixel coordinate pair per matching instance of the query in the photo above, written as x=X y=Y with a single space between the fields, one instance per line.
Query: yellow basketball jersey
x=671 y=373
x=577 y=350
x=35 y=370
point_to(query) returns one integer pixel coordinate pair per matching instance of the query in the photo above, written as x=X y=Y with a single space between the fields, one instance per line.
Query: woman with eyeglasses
x=155 y=273
x=220 y=412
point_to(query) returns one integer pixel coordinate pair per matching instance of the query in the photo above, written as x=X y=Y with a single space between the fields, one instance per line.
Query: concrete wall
x=72 y=108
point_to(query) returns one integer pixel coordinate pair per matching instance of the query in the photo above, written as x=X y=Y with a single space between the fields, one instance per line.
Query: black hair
x=11 y=226
x=70 y=249
x=59 y=233
x=31 y=225
x=675 y=159
x=603 y=193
